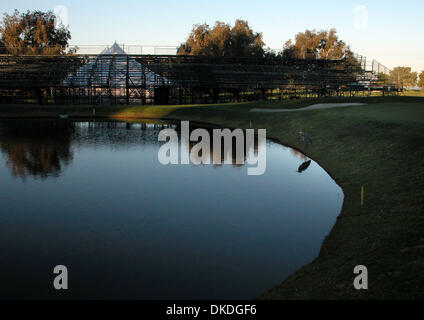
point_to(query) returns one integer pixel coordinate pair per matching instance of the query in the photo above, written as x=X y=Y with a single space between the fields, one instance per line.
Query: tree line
x=35 y=32
x=241 y=41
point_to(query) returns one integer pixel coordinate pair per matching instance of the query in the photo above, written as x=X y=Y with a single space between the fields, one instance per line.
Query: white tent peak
x=114 y=49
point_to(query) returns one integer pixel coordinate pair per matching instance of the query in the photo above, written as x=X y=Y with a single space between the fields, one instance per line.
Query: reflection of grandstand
x=114 y=77
x=221 y=156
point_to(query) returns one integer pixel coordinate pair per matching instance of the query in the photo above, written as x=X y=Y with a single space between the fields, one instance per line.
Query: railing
x=129 y=49
x=367 y=65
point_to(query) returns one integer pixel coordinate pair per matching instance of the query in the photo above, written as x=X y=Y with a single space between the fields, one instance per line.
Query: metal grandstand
x=111 y=76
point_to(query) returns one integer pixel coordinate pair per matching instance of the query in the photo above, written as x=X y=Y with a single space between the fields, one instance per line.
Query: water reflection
x=304 y=166
x=117 y=135
x=298 y=154
x=225 y=155
x=36 y=148
x=44 y=148
x=128 y=227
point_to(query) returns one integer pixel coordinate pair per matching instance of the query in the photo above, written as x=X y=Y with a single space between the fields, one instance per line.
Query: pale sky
x=387 y=31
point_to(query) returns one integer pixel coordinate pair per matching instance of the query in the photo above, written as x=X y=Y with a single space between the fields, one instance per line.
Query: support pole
x=127 y=80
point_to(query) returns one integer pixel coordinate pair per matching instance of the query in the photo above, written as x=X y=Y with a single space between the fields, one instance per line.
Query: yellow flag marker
x=362 y=195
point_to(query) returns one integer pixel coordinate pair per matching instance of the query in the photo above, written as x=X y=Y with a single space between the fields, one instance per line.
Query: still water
x=93 y=196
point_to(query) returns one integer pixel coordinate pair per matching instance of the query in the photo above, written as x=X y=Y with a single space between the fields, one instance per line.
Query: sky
x=385 y=30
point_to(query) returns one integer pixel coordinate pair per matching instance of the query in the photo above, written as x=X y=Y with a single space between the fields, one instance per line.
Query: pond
x=92 y=196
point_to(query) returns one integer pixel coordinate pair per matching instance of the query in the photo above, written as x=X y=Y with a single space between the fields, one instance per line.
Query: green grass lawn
x=378 y=146
x=414 y=93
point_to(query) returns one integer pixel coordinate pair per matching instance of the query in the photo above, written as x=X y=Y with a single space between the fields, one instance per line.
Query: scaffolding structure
x=107 y=79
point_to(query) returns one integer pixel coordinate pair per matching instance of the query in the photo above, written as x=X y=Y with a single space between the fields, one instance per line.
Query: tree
x=403 y=77
x=421 y=81
x=290 y=51
x=244 y=42
x=317 y=44
x=384 y=78
x=223 y=40
x=33 y=33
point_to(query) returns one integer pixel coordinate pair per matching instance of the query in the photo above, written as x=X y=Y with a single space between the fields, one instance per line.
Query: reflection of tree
x=298 y=154
x=36 y=148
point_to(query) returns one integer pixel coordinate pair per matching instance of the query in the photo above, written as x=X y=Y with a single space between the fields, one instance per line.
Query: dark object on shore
x=304 y=166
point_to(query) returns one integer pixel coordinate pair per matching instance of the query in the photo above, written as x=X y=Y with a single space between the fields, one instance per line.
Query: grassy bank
x=149 y=111
x=378 y=146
